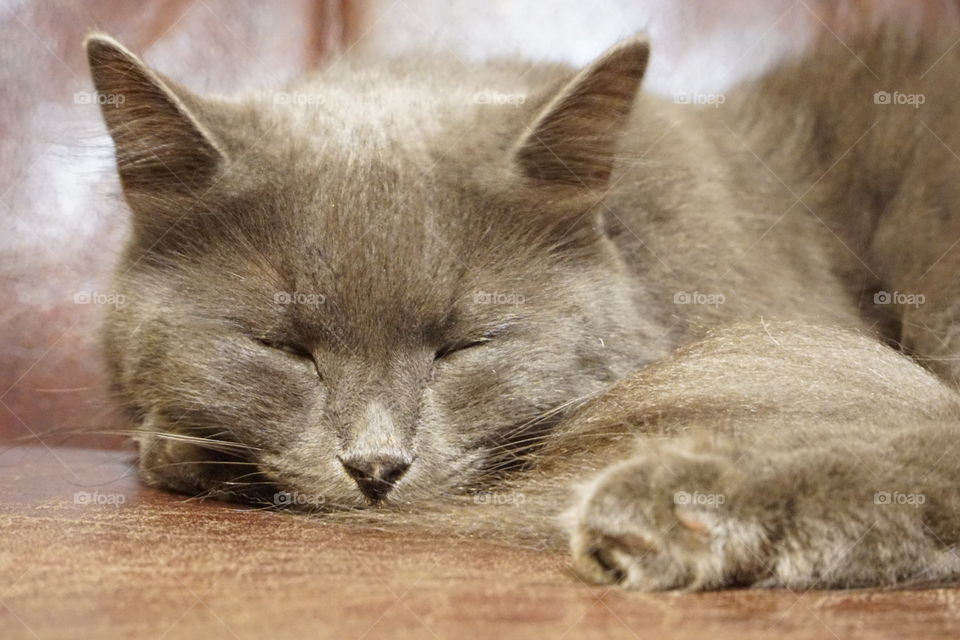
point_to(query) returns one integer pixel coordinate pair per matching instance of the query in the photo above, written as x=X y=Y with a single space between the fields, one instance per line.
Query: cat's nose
x=376 y=475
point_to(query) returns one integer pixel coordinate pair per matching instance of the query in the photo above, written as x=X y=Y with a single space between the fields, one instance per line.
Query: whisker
x=225 y=446
x=191 y=462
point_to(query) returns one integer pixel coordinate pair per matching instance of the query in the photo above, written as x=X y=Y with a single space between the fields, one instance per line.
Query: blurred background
x=64 y=221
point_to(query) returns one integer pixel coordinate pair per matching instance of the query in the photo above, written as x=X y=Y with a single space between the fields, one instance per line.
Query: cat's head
x=378 y=292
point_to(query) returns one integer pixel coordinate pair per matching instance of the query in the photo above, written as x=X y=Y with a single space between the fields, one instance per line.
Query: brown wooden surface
x=159 y=566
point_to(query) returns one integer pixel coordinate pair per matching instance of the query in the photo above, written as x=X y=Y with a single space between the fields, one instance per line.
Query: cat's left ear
x=572 y=140
x=163 y=146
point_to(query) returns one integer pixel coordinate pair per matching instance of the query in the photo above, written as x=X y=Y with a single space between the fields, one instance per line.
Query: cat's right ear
x=162 y=147
x=572 y=141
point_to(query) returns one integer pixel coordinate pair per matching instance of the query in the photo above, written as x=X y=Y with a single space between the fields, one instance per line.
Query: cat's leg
x=785 y=456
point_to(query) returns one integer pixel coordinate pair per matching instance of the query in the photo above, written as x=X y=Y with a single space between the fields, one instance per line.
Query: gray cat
x=703 y=342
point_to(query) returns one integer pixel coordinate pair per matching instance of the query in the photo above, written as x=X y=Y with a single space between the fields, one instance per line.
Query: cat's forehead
x=366 y=230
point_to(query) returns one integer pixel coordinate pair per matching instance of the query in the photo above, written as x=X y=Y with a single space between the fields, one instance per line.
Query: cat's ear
x=162 y=146
x=572 y=140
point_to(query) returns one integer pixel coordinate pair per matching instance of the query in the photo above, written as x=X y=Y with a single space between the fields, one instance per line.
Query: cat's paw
x=183 y=467
x=664 y=520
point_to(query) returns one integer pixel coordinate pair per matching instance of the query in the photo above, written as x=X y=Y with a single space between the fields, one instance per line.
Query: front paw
x=183 y=467
x=664 y=520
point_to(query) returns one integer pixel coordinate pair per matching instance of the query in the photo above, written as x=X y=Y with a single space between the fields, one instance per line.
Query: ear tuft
x=573 y=140
x=160 y=143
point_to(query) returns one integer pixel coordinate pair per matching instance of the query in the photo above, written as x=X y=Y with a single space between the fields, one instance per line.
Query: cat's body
x=401 y=285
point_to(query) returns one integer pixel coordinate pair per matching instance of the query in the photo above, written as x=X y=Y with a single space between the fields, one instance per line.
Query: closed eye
x=456 y=347
x=292 y=350
x=463 y=345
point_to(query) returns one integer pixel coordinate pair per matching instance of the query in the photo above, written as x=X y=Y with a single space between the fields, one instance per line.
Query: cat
x=703 y=343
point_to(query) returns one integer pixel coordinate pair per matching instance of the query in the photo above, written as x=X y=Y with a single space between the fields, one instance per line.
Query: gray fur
x=594 y=288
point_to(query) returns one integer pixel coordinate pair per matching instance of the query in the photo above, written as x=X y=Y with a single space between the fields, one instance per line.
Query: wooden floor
x=85 y=552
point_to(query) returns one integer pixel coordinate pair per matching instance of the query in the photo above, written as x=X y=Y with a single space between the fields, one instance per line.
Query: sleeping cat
x=703 y=346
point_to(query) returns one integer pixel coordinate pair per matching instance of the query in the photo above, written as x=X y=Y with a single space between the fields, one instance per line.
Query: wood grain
x=140 y=563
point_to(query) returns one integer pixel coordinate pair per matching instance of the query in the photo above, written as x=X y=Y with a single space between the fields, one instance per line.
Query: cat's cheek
x=429 y=412
x=437 y=428
x=441 y=447
x=462 y=403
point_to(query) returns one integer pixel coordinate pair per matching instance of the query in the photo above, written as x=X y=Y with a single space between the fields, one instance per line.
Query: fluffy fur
x=508 y=282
